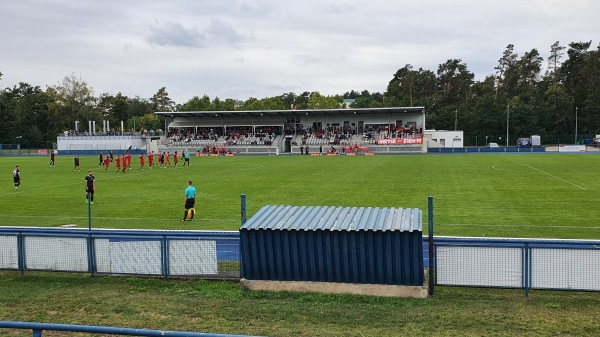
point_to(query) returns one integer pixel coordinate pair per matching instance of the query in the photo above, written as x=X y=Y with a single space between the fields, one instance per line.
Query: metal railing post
x=430 y=241
x=243 y=206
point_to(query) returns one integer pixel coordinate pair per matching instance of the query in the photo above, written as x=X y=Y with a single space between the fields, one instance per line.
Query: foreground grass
x=222 y=307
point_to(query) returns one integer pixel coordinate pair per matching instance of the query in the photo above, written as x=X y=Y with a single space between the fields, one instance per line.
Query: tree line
x=557 y=98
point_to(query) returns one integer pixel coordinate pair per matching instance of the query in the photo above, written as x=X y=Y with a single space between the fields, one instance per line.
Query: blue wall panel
x=334 y=244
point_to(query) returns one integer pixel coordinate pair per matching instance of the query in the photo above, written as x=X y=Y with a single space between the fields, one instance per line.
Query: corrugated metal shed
x=334 y=244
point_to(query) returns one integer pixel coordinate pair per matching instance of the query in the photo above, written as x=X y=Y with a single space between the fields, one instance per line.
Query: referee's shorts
x=189 y=203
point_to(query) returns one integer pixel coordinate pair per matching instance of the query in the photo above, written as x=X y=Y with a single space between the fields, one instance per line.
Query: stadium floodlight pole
x=19 y=145
x=455 y=119
x=576 y=108
x=507 y=120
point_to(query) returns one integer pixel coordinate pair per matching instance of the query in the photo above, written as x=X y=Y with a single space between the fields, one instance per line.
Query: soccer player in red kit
x=168 y=158
x=175 y=158
x=142 y=162
x=151 y=159
x=118 y=163
x=106 y=163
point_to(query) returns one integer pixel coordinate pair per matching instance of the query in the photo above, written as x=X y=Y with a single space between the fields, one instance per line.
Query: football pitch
x=504 y=195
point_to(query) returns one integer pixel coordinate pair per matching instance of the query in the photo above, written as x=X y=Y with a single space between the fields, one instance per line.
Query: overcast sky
x=264 y=48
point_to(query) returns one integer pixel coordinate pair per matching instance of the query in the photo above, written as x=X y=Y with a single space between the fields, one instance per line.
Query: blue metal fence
x=528 y=149
x=470 y=262
x=202 y=254
x=518 y=263
x=38 y=328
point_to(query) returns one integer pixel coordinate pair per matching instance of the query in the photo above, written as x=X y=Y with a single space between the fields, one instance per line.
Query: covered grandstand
x=383 y=130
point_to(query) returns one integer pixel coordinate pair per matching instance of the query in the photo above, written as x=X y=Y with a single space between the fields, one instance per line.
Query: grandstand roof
x=290 y=113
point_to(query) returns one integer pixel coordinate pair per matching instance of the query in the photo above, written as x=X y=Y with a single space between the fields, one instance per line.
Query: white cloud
x=262 y=48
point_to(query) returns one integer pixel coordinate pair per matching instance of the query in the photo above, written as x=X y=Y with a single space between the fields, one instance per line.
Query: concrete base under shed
x=382 y=290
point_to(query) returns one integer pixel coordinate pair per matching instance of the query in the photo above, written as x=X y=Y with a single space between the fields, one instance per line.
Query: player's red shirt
x=150 y=158
x=142 y=159
x=106 y=162
x=118 y=161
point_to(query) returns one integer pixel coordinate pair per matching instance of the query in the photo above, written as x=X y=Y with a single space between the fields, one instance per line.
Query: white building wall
x=102 y=143
x=447 y=139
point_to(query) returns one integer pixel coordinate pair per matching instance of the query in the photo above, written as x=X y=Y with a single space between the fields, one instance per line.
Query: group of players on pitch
x=122 y=163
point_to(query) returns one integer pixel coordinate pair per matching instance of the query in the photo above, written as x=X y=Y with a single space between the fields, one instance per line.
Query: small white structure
x=443 y=138
x=100 y=143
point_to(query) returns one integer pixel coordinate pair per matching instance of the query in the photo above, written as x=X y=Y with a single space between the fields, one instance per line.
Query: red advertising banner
x=399 y=141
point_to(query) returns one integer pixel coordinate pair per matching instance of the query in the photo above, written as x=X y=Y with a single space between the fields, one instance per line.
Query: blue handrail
x=38 y=328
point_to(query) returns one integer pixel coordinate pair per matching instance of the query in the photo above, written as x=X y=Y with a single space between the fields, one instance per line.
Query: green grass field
x=542 y=195
x=537 y=195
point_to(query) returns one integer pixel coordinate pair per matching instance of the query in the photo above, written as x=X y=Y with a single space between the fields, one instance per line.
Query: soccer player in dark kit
x=90 y=187
x=17 y=177
x=76 y=160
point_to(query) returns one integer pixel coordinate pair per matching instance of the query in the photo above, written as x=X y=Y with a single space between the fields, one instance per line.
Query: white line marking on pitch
x=548 y=174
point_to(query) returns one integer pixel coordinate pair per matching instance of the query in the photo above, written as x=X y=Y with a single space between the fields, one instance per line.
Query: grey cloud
x=174 y=34
x=224 y=31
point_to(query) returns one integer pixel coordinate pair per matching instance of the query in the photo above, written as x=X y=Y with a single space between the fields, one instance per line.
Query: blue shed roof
x=310 y=218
